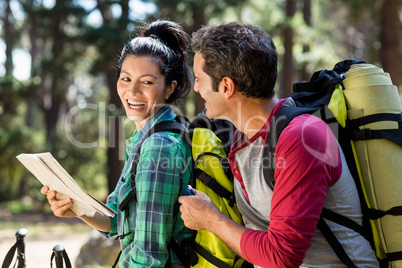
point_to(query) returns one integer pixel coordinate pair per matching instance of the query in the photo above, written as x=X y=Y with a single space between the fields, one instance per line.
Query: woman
x=152 y=74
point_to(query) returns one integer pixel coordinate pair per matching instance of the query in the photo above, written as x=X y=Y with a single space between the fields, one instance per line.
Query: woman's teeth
x=136 y=104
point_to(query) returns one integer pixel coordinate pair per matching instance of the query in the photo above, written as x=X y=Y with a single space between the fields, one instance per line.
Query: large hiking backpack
x=210 y=141
x=363 y=109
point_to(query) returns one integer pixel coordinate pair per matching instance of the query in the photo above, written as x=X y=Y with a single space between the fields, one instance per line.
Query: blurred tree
x=286 y=85
x=109 y=39
x=375 y=29
x=53 y=53
x=8 y=37
x=13 y=133
x=306 y=10
x=389 y=39
x=33 y=111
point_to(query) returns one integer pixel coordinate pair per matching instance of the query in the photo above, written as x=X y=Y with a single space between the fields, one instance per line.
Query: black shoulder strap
x=280 y=120
x=334 y=243
x=171 y=126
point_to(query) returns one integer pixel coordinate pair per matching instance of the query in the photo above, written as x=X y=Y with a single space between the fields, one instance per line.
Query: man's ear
x=227 y=86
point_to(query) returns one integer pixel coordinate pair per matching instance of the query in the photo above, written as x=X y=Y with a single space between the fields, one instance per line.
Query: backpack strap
x=212 y=183
x=225 y=131
x=334 y=243
x=394 y=135
x=171 y=126
x=280 y=120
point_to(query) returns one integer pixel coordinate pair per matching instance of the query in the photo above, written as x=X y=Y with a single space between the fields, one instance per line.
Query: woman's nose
x=134 y=89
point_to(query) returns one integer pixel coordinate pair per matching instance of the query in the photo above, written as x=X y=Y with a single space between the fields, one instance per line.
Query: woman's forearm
x=97 y=221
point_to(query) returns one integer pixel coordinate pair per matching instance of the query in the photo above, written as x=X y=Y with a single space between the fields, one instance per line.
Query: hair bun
x=170 y=33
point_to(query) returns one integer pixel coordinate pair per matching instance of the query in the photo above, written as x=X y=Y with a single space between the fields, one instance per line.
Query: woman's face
x=142 y=88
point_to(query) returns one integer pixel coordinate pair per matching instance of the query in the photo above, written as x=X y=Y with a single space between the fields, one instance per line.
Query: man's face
x=203 y=86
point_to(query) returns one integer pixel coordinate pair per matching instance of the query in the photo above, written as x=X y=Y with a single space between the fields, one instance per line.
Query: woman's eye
x=147 y=82
x=125 y=79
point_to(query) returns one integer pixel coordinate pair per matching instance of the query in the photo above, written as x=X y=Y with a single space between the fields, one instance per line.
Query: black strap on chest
x=171 y=126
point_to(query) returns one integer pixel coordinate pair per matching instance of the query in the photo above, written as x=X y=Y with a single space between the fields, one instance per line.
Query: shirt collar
x=164 y=114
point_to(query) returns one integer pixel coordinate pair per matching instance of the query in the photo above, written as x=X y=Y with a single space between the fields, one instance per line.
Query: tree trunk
x=52 y=111
x=8 y=38
x=114 y=165
x=287 y=71
x=305 y=75
x=389 y=36
x=199 y=20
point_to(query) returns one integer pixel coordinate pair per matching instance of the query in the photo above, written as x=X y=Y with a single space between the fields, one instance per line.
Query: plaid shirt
x=163 y=169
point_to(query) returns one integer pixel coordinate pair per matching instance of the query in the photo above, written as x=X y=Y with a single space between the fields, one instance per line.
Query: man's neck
x=251 y=114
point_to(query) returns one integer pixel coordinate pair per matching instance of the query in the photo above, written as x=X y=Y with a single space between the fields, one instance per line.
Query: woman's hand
x=60 y=208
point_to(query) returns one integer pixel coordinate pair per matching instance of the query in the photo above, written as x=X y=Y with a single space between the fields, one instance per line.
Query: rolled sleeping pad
x=367 y=68
x=366 y=93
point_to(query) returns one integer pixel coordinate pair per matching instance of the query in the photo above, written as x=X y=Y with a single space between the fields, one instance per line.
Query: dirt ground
x=44 y=232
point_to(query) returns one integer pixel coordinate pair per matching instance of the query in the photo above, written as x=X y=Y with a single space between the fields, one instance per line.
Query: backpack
x=210 y=141
x=363 y=109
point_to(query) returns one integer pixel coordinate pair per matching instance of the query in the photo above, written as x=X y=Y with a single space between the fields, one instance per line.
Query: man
x=235 y=67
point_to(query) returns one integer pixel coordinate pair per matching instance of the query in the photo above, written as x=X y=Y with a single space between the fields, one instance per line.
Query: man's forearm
x=227 y=230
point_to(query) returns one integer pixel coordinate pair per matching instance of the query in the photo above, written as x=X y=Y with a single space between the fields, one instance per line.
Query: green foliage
x=15 y=136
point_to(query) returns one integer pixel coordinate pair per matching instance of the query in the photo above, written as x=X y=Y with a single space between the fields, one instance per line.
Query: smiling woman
x=142 y=88
x=152 y=75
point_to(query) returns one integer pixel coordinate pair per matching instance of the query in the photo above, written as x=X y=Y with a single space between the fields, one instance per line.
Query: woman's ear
x=170 y=89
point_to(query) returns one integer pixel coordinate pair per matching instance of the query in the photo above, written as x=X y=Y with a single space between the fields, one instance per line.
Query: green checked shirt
x=164 y=168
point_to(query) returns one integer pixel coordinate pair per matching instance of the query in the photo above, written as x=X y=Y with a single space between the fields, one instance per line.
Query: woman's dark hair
x=167 y=43
x=243 y=52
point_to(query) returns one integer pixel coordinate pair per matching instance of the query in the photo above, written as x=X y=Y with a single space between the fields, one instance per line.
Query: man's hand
x=60 y=208
x=198 y=211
